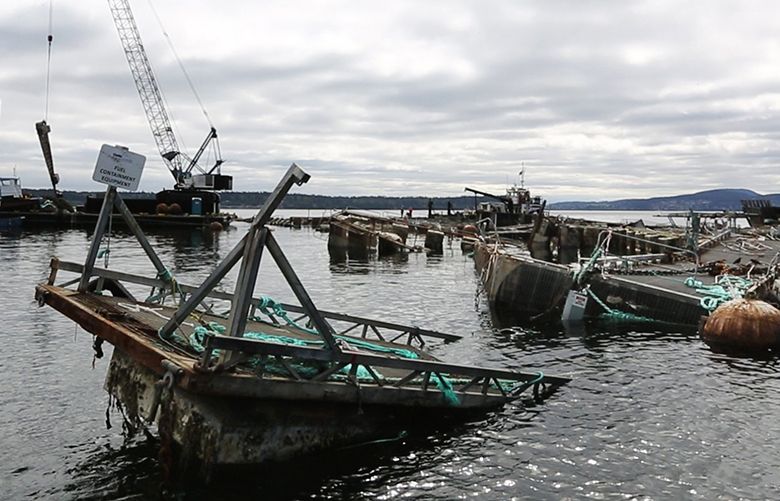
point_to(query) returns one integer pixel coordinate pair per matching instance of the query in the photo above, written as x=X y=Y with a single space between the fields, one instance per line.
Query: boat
x=13 y=199
x=192 y=203
x=516 y=207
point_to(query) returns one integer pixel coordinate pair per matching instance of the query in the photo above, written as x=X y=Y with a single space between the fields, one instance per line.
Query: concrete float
x=434 y=241
x=256 y=384
x=633 y=273
x=363 y=234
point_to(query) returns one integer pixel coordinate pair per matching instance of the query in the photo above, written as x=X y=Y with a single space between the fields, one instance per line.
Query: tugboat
x=12 y=199
x=518 y=206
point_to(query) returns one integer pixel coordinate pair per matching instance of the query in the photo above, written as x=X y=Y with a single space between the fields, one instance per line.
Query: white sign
x=119 y=167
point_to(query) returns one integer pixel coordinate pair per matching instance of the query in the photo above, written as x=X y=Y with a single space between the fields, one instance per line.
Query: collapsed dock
x=265 y=381
x=644 y=274
x=361 y=233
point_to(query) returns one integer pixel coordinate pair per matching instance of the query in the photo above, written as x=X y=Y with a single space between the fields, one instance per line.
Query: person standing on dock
x=430 y=208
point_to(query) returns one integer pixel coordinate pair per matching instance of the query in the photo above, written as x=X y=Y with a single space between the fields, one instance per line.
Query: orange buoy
x=175 y=209
x=215 y=226
x=162 y=208
x=743 y=323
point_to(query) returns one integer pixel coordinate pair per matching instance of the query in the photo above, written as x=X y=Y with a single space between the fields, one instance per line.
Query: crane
x=506 y=200
x=179 y=164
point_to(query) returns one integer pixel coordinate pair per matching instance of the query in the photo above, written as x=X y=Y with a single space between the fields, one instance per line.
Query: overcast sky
x=599 y=100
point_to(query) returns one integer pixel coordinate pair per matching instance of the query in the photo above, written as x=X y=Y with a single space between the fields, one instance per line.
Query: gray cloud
x=600 y=100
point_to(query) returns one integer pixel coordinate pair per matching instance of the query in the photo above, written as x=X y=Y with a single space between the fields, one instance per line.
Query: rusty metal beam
x=322 y=326
x=134 y=344
x=362 y=358
x=162 y=271
x=330 y=315
x=294 y=175
x=245 y=284
x=97 y=237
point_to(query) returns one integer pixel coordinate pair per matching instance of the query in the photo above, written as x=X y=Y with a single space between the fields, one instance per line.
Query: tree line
x=252 y=199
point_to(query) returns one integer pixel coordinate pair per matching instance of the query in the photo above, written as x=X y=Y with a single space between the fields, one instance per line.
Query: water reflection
x=130 y=467
x=346 y=265
x=190 y=250
x=651 y=410
x=111 y=471
x=345 y=262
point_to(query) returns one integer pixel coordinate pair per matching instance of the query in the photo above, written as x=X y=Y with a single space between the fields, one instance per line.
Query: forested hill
x=725 y=199
x=298 y=201
x=244 y=199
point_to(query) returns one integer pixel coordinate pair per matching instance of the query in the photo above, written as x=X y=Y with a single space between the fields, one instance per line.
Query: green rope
x=615 y=314
x=594 y=257
x=725 y=288
x=165 y=276
x=268 y=303
x=445 y=386
x=198 y=337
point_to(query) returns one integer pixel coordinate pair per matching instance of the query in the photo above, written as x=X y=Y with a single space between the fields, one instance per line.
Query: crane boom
x=148 y=90
x=177 y=162
x=490 y=195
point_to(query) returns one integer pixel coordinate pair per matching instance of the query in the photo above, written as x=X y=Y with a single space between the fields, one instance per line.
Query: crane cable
x=50 y=37
x=181 y=64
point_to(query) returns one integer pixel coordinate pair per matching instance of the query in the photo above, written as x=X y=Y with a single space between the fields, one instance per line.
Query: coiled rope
x=725 y=288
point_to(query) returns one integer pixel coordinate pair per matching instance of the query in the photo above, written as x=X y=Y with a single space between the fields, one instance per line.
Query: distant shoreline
x=711 y=200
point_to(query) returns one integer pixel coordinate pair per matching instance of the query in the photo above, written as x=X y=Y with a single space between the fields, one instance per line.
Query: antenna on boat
x=522 y=174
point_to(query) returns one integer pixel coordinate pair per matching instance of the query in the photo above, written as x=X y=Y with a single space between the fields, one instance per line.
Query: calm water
x=651 y=413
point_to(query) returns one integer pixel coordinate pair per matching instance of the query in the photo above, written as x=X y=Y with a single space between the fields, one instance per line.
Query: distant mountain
x=710 y=200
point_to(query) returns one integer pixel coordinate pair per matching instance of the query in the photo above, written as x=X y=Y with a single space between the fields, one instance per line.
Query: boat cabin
x=10 y=187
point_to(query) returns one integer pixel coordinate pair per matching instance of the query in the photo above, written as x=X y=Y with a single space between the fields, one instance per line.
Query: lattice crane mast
x=178 y=163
